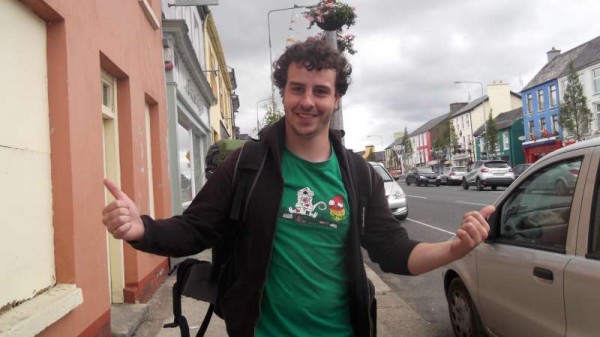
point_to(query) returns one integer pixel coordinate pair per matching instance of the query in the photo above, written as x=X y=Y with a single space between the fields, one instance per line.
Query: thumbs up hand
x=122 y=217
x=472 y=231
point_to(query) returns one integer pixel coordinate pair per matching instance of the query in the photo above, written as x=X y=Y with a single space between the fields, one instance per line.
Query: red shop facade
x=535 y=150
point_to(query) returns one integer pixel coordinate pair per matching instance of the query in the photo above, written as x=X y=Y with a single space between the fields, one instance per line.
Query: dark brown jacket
x=205 y=222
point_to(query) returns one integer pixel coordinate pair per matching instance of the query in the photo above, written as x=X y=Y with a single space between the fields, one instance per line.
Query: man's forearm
x=426 y=257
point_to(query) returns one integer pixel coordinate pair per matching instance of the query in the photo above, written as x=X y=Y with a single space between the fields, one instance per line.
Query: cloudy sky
x=409 y=54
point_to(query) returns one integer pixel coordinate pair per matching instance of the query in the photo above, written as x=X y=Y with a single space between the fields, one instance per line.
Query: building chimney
x=552 y=54
x=454 y=107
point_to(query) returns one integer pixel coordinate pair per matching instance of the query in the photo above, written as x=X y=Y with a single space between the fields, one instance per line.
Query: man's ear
x=337 y=101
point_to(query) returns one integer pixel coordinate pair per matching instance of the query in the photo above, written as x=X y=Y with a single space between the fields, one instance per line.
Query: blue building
x=542 y=97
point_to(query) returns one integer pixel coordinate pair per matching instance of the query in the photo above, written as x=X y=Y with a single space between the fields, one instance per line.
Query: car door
x=521 y=273
x=582 y=275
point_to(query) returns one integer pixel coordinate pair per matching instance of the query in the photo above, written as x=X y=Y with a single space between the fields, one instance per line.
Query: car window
x=537 y=212
x=426 y=171
x=460 y=169
x=496 y=164
x=383 y=173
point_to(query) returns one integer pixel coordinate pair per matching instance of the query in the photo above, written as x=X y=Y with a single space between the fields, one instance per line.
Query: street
x=434 y=215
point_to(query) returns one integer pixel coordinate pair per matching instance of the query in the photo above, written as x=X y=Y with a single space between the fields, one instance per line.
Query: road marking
x=471 y=203
x=416 y=196
x=430 y=226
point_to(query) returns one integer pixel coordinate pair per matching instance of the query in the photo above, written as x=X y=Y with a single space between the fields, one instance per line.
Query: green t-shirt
x=306 y=292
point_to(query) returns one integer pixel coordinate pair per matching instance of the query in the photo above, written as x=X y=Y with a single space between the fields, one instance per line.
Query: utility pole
x=337 y=120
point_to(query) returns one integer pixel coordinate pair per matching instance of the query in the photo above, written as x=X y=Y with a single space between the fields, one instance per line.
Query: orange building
x=83 y=98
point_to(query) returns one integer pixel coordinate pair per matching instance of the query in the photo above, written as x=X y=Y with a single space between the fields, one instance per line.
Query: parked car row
x=482 y=174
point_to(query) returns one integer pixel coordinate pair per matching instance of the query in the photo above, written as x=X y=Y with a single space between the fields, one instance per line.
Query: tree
x=453 y=138
x=575 y=115
x=491 y=137
x=439 y=149
x=406 y=145
x=272 y=116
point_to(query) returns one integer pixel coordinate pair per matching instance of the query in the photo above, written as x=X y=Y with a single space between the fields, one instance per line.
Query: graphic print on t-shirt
x=309 y=211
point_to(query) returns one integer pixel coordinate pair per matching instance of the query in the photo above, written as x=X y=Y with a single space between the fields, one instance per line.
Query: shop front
x=536 y=149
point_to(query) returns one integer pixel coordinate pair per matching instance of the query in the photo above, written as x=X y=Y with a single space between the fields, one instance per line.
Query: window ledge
x=35 y=315
x=150 y=14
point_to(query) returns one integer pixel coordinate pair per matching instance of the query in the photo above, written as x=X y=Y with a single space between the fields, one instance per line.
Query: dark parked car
x=422 y=176
x=518 y=169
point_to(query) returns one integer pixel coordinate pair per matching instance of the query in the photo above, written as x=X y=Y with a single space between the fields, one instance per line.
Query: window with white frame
x=529 y=104
x=540 y=97
x=542 y=123
x=505 y=142
x=553 y=100
x=596 y=80
x=531 y=128
x=555 y=124
x=596 y=107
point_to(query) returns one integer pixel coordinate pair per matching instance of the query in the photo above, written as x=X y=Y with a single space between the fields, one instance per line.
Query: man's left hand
x=473 y=230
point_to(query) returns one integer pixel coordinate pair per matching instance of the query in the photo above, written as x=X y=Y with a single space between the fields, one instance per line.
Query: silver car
x=453 y=175
x=491 y=173
x=538 y=273
x=393 y=192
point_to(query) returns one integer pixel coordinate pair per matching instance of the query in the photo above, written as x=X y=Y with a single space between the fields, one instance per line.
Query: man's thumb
x=115 y=190
x=487 y=211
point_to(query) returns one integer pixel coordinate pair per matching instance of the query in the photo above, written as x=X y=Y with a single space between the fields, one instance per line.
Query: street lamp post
x=482 y=105
x=270 y=47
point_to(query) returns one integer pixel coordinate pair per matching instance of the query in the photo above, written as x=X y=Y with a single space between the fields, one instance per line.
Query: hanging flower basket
x=330 y=15
x=331 y=24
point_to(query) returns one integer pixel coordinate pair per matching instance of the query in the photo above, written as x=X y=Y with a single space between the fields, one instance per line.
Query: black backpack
x=208 y=281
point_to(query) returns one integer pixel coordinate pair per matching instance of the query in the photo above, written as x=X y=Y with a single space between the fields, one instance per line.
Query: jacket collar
x=274 y=137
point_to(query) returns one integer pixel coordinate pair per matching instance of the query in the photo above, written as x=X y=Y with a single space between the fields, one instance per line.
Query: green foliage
x=330 y=10
x=273 y=114
x=491 y=136
x=438 y=149
x=407 y=144
x=453 y=138
x=575 y=115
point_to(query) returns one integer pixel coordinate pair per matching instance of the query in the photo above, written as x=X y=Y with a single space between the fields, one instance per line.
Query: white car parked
x=393 y=191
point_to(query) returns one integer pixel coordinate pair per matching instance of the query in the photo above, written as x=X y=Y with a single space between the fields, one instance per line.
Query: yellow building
x=222 y=81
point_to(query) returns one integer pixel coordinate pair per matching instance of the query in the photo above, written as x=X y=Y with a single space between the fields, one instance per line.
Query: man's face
x=309 y=99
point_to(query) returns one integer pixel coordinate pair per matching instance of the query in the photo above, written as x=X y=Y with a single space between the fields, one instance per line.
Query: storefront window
x=186 y=165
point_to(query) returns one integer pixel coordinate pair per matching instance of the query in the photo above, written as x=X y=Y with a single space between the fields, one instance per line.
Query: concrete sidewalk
x=394 y=317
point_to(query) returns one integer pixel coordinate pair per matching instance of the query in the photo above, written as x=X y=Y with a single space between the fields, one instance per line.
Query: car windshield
x=425 y=171
x=460 y=169
x=496 y=164
x=383 y=173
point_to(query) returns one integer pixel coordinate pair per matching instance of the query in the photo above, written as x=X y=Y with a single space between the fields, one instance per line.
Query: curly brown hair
x=315 y=54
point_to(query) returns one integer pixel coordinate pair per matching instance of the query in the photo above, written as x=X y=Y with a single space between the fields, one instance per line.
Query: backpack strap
x=183 y=273
x=248 y=167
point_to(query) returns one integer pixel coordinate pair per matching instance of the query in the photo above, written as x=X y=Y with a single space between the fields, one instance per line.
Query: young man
x=299 y=268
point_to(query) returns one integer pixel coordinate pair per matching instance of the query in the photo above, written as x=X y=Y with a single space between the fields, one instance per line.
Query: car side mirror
x=397 y=178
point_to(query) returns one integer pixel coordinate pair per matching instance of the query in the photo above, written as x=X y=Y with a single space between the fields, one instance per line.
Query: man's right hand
x=122 y=217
